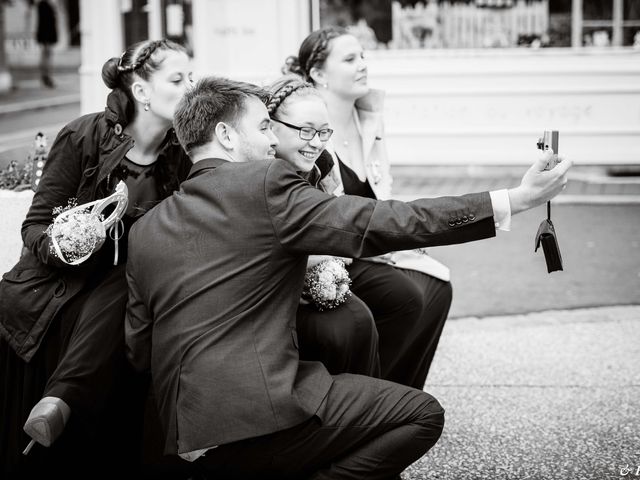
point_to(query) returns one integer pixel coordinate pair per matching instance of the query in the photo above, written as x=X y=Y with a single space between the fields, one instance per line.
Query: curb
x=39 y=104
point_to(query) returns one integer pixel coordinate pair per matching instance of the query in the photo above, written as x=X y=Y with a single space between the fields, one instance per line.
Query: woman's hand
x=386 y=258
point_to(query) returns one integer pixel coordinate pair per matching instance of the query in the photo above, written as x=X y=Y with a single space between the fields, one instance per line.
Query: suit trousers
x=410 y=309
x=365 y=428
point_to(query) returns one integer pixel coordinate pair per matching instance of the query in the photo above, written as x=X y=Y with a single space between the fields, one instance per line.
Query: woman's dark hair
x=141 y=59
x=313 y=52
x=283 y=88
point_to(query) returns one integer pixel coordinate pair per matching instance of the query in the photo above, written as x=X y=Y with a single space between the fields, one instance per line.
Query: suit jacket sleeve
x=138 y=327
x=307 y=220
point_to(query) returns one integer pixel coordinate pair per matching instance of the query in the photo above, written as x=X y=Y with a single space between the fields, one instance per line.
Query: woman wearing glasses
x=344 y=338
x=409 y=304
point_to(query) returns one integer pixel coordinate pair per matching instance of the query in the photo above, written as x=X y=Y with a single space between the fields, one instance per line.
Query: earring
x=325 y=85
x=147 y=104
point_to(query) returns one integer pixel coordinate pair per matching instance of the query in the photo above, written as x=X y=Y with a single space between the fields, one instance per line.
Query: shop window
x=410 y=24
x=605 y=23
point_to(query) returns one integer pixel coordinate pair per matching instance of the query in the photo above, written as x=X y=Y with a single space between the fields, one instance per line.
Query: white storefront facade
x=448 y=102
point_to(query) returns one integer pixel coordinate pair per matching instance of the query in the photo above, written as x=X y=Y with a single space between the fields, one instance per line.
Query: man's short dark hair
x=211 y=101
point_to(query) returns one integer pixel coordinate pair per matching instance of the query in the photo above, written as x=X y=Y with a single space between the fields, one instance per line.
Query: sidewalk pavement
x=29 y=94
x=553 y=395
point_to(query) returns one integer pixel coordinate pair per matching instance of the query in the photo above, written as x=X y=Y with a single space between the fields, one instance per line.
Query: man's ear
x=318 y=76
x=226 y=135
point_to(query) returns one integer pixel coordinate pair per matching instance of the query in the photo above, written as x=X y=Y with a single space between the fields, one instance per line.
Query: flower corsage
x=326 y=284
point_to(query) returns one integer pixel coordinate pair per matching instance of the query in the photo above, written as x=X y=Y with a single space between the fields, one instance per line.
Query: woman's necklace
x=349 y=134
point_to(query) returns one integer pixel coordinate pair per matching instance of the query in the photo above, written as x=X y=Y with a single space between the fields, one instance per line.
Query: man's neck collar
x=211 y=151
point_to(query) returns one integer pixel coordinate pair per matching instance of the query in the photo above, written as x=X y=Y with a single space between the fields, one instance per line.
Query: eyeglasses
x=307 y=133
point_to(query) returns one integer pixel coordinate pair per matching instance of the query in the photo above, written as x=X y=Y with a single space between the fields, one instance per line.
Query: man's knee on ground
x=431 y=413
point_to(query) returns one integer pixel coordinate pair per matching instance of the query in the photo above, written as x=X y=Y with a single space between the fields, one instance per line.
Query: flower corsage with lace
x=79 y=230
x=326 y=284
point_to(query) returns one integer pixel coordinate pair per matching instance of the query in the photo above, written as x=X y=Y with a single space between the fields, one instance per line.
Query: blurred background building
x=468 y=81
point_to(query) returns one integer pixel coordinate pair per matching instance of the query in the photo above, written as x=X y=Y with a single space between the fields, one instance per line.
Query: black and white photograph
x=320 y=239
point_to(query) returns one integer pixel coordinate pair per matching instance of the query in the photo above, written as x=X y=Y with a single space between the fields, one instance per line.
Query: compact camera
x=548 y=141
x=546 y=236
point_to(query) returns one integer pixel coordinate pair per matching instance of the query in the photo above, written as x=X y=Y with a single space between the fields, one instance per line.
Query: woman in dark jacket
x=62 y=346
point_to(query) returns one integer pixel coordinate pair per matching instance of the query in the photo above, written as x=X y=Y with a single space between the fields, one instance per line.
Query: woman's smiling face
x=306 y=111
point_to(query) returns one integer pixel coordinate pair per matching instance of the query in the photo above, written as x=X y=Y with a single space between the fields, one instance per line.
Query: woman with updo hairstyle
x=343 y=338
x=409 y=292
x=68 y=390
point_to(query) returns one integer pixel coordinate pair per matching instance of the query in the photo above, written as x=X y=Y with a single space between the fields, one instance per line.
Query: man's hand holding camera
x=540 y=184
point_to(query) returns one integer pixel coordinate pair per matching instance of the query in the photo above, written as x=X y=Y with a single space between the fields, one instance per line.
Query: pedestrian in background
x=47 y=37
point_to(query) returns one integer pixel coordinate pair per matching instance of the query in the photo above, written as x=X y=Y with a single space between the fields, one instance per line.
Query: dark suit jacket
x=215 y=275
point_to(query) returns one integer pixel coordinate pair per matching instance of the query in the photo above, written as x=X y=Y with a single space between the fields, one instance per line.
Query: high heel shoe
x=46 y=421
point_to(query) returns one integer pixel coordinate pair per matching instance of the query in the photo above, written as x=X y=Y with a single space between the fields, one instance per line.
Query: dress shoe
x=46 y=421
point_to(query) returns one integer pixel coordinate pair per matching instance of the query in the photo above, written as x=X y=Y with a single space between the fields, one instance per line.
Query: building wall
x=489 y=107
x=464 y=107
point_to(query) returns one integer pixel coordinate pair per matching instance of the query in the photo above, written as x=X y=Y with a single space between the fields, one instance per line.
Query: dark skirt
x=23 y=386
x=344 y=339
x=410 y=309
x=82 y=361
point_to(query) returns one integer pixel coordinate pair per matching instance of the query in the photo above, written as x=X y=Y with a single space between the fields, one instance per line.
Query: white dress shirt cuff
x=501 y=209
x=195 y=454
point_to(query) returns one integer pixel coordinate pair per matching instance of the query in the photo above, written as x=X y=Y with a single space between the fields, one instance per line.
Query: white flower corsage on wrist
x=326 y=284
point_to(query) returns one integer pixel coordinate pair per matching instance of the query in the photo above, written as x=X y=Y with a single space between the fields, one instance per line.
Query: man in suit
x=215 y=274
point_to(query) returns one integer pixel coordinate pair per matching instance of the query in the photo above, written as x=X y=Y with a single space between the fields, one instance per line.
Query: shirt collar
x=205 y=164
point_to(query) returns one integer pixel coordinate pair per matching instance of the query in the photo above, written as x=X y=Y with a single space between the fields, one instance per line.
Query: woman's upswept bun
x=110 y=72
x=292 y=66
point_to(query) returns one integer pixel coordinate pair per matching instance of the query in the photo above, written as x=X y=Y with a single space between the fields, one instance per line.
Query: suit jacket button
x=465 y=219
x=452 y=223
x=472 y=217
x=458 y=221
